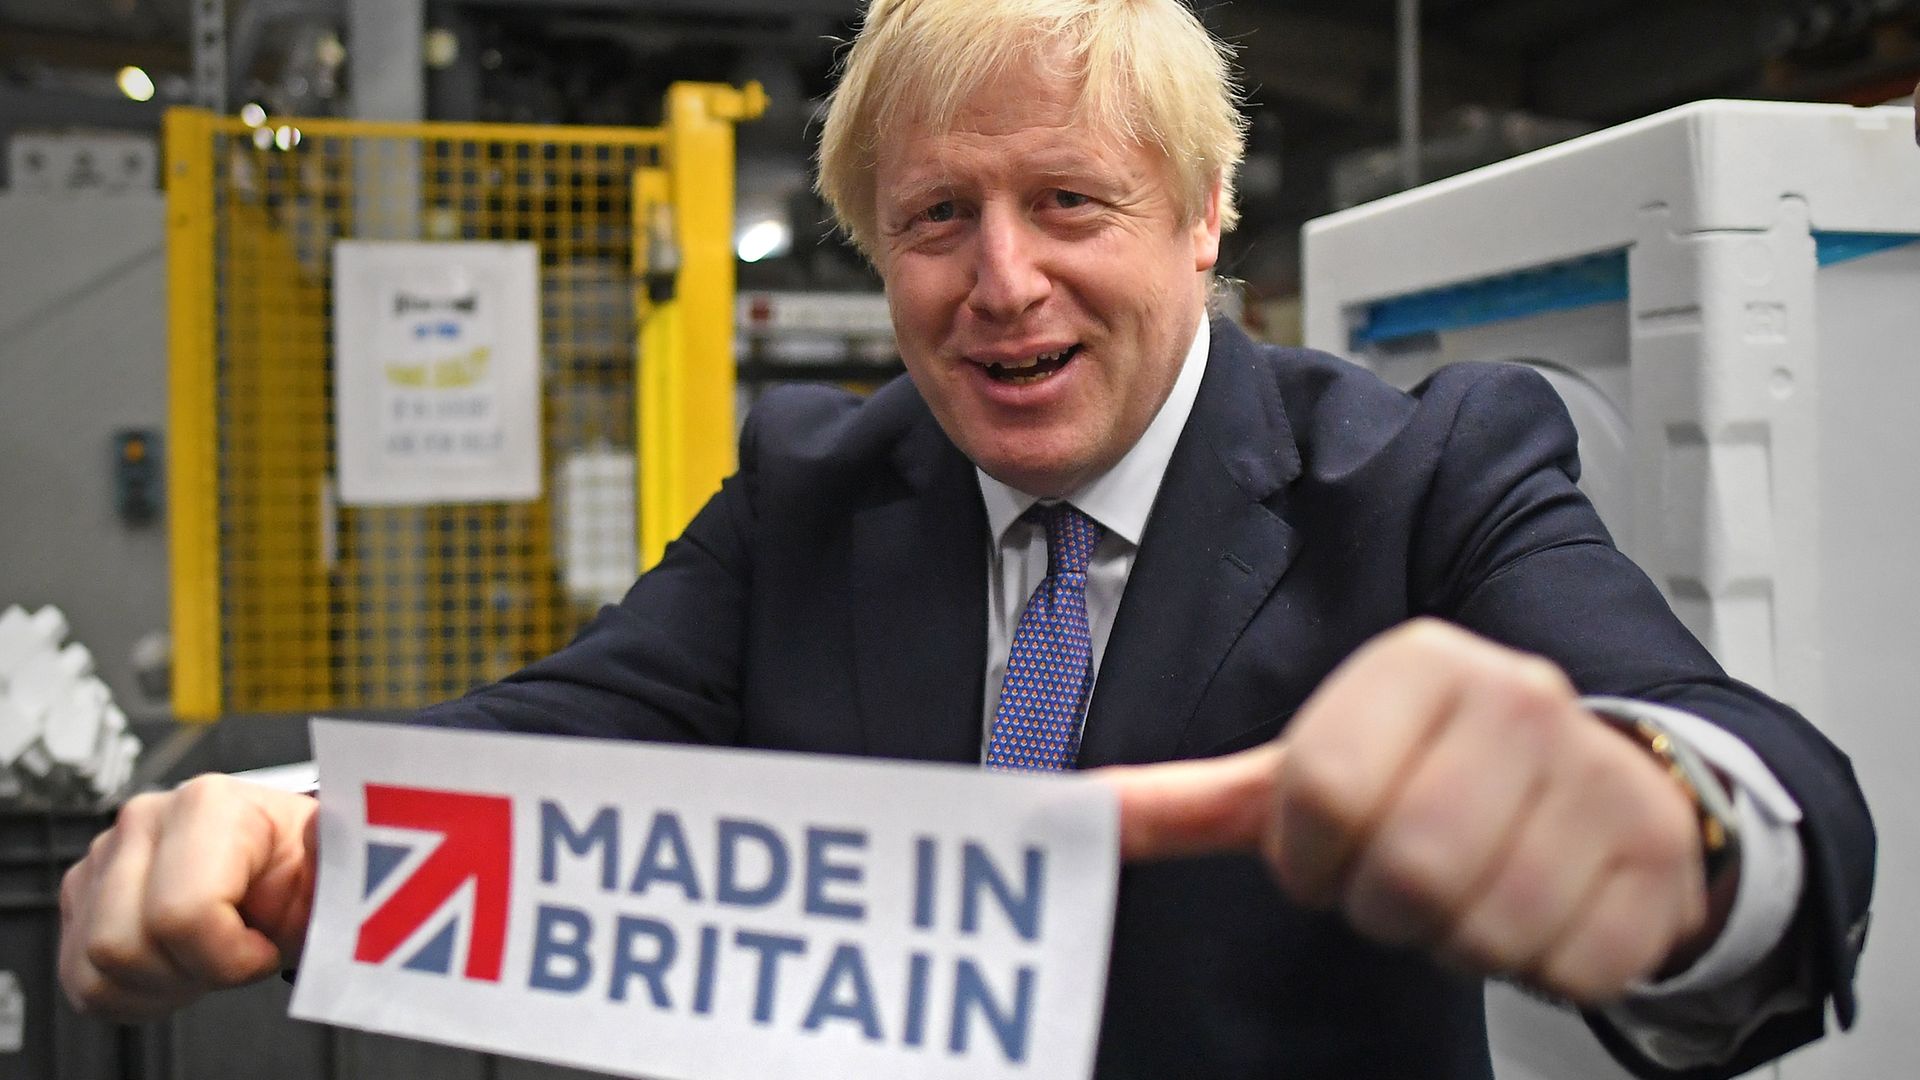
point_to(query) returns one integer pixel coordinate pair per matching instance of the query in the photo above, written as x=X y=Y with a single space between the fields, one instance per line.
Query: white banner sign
x=699 y=914
x=436 y=372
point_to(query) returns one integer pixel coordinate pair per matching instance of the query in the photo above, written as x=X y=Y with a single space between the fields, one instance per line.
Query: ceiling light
x=135 y=83
x=763 y=239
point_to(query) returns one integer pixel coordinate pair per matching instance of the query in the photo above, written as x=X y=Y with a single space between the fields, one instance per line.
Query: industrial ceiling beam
x=1651 y=58
x=1523 y=25
x=90 y=50
x=25 y=110
x=772 y=10
x=1349 y=69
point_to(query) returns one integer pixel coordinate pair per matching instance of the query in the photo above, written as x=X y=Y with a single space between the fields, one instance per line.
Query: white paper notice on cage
x=436 y=372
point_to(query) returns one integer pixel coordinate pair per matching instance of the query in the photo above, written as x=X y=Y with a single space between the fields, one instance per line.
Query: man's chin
x=1043 y=479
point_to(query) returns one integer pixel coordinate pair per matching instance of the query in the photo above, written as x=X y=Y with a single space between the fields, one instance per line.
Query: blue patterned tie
x=1050 y=667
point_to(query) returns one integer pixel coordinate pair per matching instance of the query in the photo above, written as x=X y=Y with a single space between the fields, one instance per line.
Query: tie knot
x=1071 y=536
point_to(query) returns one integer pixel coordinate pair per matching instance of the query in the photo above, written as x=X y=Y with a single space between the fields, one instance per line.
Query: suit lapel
x=1215 y=547
x=920 y=611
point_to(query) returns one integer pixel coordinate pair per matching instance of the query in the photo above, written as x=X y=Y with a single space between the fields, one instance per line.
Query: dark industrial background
x=82 y=337
x=1496 y=77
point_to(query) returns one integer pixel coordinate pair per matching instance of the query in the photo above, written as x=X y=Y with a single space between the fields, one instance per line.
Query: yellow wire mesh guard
x=316 y=605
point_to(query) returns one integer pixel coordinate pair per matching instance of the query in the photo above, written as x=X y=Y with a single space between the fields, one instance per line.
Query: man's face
x=1043 y=282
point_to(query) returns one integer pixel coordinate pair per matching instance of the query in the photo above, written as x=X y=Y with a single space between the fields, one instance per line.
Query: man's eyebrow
x=917 y=189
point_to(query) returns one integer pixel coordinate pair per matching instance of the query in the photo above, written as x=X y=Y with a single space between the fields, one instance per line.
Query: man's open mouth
x=1033 y=368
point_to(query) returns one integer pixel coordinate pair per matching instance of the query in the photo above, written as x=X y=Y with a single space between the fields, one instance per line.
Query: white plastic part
x=102 y=778
x=34 y=761
x=116 y=766
x=45 y=678
x=1746 y=424
x=76 y=660
x=18 y=730
x=598 y=557
x=58 y=722
x=73 y=725
x=23 y=636
x=37 y=682
x=51 y=624
x=18 y=639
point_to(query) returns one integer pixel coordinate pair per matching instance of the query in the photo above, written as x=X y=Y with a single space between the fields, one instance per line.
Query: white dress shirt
x=1694 y=1018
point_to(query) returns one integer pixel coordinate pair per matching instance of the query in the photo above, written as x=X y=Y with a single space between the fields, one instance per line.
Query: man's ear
x=1205 y=230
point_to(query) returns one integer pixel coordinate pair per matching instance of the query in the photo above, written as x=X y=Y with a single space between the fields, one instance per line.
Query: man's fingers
x=1196 y=807
x=1542 y=885
x=217 y=846
x=1618 y=939
x=118 y=945
x=1607 y=822
x=107 y=964
x=1461 y=807
x=1355 y=741
x=90 y=992
x=160 y=909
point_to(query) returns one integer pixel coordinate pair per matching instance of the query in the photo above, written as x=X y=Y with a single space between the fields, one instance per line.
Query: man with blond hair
x=1439 y=728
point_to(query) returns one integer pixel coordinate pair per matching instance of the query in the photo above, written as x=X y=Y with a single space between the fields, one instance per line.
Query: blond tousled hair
x=1148 y=73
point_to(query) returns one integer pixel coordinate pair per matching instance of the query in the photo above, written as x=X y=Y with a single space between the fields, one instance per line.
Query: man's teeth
x=1034 y=361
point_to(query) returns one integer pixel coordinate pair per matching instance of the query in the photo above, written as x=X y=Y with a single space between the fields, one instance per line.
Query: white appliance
x=1727 y=296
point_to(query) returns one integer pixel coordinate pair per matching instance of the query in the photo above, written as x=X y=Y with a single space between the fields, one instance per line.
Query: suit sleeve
x=663 y=664
x=1508 y=548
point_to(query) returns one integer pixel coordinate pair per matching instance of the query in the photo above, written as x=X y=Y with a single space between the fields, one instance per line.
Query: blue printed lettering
x=820 y=843
x=771 y=948
x=560 y=960
x=628 y=930
x=603 y=831
x=848 y=968
x=971 y=994
x=923 y=882
x=729 y=890
x=977 y=872
x=704 y=973
x=916 y=1026
x=666 y=858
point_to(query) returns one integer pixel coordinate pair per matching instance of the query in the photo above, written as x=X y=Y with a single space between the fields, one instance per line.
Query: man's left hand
x=1449 y=793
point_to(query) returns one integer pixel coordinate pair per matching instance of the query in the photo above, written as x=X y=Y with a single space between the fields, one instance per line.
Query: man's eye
x=1069 y=200
x=939 y=212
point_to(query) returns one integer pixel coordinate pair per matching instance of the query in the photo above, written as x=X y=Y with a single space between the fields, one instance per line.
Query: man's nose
x=1008 y=278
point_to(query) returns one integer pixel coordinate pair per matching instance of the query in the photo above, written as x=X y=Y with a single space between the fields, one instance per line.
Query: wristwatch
x=1712 y=806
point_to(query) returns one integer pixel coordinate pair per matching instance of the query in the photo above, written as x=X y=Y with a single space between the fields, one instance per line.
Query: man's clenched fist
x=1449 y=793
x=204 y=887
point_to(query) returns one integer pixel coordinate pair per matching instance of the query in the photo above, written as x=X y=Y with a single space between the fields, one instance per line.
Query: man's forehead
x=923 y=155
x=1027 y=93
x=1089 y=167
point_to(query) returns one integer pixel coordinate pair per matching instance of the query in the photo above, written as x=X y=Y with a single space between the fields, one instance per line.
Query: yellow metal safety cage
x=284 y=599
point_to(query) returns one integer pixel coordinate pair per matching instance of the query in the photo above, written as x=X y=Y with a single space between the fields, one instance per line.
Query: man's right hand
x=204 y=887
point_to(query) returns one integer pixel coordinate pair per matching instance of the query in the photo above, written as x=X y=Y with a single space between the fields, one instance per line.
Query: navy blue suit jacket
x=832 y=598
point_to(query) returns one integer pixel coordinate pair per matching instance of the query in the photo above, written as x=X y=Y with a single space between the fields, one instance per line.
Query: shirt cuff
x=299 y=778
x=1700 y=1015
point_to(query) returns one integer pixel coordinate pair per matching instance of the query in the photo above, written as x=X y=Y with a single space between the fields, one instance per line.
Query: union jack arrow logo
x=476 y=844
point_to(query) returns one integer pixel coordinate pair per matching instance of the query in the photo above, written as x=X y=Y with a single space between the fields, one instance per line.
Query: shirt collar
x=1122 y=497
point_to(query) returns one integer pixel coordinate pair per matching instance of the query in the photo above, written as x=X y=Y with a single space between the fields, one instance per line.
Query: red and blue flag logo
x=463 y=879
